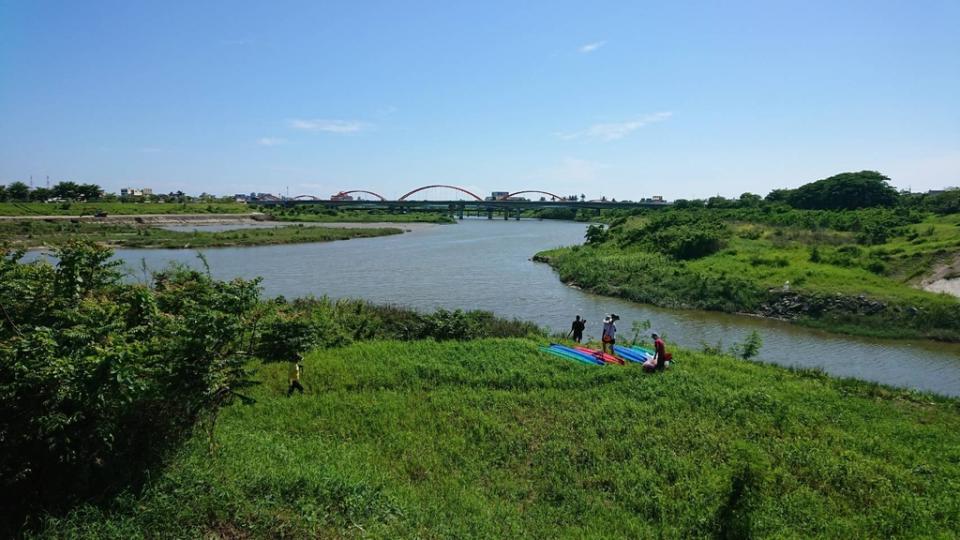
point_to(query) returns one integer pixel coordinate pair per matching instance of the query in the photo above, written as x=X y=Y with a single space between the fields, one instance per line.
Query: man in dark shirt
x=576 y=329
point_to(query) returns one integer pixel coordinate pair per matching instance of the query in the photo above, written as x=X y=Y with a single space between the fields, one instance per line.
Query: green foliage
x=99 y=378
x=843 y=282
x=681 y=235
x=596 y=234
x=492 y=439
x=749 y=348
x=40 y=233
x=845 y=191
x=18 y=191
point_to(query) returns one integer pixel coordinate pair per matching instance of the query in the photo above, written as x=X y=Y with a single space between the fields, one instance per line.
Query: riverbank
x=820 y=278
x=42 y=233
x=79 y=209
x=319 y=214
x=491 y=438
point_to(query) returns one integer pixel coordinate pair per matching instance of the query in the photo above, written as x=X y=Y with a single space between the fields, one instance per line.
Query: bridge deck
x=593 y=205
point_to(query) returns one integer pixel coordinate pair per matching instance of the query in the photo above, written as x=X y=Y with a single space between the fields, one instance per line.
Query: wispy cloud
x=330 y=126
x=270 y=141
x=612 y=131
x=151 y=149
x=591 y=47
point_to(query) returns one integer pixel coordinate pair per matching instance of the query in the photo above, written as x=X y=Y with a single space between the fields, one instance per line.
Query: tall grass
x=492 y=439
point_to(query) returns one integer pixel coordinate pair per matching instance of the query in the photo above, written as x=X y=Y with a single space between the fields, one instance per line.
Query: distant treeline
x=845 y=191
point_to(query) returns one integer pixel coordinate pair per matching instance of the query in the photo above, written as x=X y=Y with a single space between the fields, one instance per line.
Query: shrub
x=98 y=378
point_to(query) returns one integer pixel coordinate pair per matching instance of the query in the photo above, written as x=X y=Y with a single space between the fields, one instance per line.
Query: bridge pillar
x=506 y=214
x=489 y=213
x=460 y=211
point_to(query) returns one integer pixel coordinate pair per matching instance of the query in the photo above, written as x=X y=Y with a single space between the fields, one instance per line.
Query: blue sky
x=622 y=99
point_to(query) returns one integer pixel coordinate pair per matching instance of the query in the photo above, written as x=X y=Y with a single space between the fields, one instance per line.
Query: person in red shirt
x=660 y=354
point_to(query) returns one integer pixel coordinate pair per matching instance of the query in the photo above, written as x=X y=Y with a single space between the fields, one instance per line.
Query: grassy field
x=119 y=208
x=492 y=439
x=841 y=279
x=29 y=234
x=317 y=214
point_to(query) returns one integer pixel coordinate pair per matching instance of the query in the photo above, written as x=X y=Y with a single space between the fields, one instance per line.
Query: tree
x=845 y=191
x=41 y=194
x=596 y=234
x=18 y=191
x=67 y=190
x=89 y=192
x=3 y=193
x=750 y=199
x=778 y=195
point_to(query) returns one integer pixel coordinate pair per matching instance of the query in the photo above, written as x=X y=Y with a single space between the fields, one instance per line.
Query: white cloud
x=330 y=126
x=270 y=141
x=590 y=47
x=615 y=130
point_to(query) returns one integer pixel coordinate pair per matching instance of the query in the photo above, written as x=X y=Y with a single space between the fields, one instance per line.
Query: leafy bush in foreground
x=98 y=378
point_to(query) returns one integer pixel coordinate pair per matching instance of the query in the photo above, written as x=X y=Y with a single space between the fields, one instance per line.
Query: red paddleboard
x=608 y=358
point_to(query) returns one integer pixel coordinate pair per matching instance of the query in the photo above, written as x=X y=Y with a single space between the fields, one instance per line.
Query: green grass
x=759 y=260
x=29 y=234
x=492 y=439
x=119 y=208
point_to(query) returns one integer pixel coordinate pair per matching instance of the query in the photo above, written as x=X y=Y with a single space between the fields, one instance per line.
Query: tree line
x=844 y=191
x=68 y=191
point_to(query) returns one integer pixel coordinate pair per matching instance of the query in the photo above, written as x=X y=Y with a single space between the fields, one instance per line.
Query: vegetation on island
x=320 y=214
x=842 y=269
x=31 y=234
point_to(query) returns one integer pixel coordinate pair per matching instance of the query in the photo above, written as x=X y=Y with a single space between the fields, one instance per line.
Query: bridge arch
x=460 y=189
x=559 y=198
x=377 y=195
x=305 y=198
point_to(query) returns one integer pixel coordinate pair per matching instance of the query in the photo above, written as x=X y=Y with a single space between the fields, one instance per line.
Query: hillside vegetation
x=492 y=439
x=848 y=270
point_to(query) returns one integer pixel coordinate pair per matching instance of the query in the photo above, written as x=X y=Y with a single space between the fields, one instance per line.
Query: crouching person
x=661 y=358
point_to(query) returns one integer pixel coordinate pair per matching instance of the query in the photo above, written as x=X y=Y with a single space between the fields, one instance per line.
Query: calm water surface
x=481 y=264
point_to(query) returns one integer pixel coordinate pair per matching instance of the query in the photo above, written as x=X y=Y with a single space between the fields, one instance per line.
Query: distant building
x=497 y=195
x=341 y=197
x=133 y=192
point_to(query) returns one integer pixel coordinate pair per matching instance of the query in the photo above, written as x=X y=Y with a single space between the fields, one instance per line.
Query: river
x=485 y=264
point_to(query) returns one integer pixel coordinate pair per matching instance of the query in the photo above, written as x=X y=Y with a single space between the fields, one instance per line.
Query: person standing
x=576 y=329
x=609 y=337
x=296 y=371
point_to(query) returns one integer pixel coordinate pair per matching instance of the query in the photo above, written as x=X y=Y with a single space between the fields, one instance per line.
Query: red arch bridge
x=509 y=203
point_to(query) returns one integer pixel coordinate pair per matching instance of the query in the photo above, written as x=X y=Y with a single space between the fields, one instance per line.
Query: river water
x=485 y=264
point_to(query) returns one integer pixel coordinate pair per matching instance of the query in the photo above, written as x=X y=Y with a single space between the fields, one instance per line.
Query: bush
x=99 y=378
